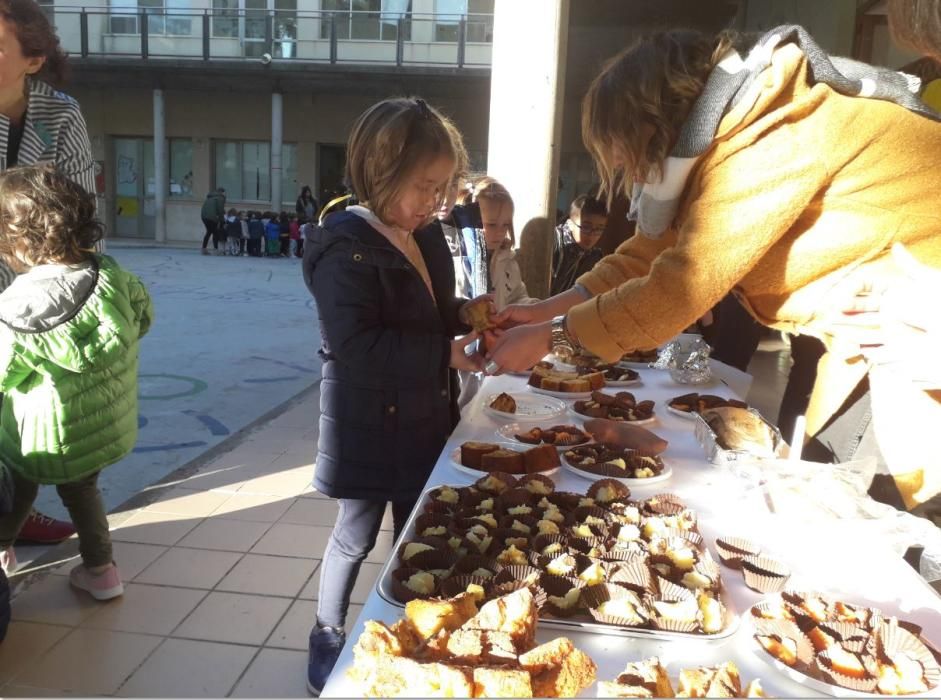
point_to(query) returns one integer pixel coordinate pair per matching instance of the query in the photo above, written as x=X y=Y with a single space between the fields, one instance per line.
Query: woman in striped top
x=38 y=124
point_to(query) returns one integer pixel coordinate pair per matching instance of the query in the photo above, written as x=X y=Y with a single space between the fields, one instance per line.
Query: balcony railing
x=277 y=35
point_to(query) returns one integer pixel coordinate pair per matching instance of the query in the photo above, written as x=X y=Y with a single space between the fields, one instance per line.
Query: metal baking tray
x=384 y=589
x=720 y=456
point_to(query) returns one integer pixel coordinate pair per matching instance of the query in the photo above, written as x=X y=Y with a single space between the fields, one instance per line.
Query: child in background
x=285 y=235
x=256 y=234
x=70 y=330
x=296 y=244
x=272 y=235
x=233 y=232
x=243 y=240
x=385 y=315
x=575 y=253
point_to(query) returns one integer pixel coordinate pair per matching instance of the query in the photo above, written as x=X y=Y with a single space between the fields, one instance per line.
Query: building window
x=225 y=19
x=479 y=16
x=376 y=20
x=167 y=17
x=181 y=168
x=243 y=168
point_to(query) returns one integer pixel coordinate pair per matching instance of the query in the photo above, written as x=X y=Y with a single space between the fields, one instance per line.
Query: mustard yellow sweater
x=797 y=192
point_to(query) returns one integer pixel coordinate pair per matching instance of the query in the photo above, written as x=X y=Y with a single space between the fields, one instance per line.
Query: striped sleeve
x=73 y=154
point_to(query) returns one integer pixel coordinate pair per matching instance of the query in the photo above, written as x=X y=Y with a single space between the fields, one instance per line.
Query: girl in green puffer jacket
x=70 y=329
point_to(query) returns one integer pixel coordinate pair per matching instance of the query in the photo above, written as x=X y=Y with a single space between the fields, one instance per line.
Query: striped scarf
x=734 y=81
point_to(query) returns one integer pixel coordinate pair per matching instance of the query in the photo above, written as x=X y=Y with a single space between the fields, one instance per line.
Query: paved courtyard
x=233 y=338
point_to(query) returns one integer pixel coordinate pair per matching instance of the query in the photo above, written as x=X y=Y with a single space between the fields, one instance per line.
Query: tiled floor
x=221 y=573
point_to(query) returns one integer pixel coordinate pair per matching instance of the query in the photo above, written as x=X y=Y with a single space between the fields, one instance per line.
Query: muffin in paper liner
x=584 y=531
x=765 y=575
x=507 y=522
x=850 y=635
x=893 y=639
x=426 y=520
x=617 y=489
x=664 y=504
x=541 y=542
x=635 y=551
x=585 y=545
x=669 y=625
x=629 y=512
x=517 y=497
x=527 y=483
x=433 y=560
x=470 y=563
x=483 y=483
x=772 y=608
x=582 y=513
x=560 y=586
x=518 y=572
x=437 y=543
x=567 y=501
x=786 y=630
x=732 y=550
x=694 y=538
x=820 y=636
x=462 y=523
x=434 y=496
x=564 y=559
x=455 y=585
x=634 y=575
x=503 y=537
x=502 y=589
x=865 y=683
x=471 y=499
x=439 y=507
x=595 y=596
x=403 y=593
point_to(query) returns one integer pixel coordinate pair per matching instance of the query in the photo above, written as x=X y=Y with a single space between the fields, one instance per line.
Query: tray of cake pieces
x=597 y=560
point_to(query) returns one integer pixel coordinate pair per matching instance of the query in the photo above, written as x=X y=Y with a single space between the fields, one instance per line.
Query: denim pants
x=83 y=501
x=351 y=541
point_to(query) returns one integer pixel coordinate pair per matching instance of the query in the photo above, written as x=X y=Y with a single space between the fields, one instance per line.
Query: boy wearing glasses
x=575 y=240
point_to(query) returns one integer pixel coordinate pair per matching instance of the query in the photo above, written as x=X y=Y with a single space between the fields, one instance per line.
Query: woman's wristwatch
x=563 y=344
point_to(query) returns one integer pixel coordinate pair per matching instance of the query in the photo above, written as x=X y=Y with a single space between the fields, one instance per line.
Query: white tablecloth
x=855 y=568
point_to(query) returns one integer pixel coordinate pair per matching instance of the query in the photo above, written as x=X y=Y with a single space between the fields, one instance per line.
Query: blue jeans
x=351 y=541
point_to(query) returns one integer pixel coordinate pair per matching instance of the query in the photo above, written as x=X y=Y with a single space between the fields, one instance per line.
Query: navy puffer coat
x=386 y=403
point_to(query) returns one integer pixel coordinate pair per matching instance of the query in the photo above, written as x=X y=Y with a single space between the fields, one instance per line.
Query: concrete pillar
x=530 y=40
x=277 y=139
x=161 y=169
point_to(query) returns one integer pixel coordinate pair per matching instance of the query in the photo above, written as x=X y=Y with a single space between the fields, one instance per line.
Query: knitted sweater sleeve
x=738 y=209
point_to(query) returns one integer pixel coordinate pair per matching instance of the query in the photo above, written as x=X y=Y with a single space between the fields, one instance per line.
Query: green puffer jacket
x=69 y=342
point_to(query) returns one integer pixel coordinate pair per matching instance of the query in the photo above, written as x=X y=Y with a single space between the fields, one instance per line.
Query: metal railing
x=277 y=35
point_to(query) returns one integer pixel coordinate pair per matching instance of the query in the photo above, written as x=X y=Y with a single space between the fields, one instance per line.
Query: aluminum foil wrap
x=719 y=456
x=687 y=360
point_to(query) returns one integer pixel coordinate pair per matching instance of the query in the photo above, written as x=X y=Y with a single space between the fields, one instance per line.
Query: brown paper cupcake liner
x=529 y=479
x=862 y=685
x=544 y=561
x=559 y=586
x=693 y=538
x=635 y=575
x=433 y=560
x=502 y=589
x=455 y=585
x=438 y=507
x=672 y=592
x=674 y=625
x=438 y=543
x=508 y=479
x=664 y=504
x=517 y=497
x=765 y=575
x=518 y=572
x=584 y=545
x=595 y=596
x=626 y=508
x=623 y=493
x=431 y=520
x=732 y=550
x=567 y=501
x=892 y=639
x=470 y=563
x=540 y=542
x=584 y=512
x=625 y=555
x=851 y=636
x=403 y=593
x=785 y=629
x=470 y=500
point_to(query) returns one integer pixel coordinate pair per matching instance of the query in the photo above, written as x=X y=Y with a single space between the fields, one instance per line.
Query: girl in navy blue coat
x=385 y=298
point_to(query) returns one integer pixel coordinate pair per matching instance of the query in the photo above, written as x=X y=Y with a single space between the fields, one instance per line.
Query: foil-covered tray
x=720 y=456
x=384 y=589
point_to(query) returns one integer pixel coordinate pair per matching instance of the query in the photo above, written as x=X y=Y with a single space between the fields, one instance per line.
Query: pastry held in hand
x=631 y=437
x=741 y=430
x=477 y=314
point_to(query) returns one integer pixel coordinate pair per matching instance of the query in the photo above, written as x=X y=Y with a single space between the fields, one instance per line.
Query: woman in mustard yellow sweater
x=771 y=171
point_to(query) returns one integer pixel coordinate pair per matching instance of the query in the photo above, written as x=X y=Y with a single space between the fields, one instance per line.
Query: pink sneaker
x=103 y=586
x=8 y=561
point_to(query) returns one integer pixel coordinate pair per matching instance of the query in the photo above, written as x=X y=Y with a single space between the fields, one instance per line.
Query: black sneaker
x=326 y=643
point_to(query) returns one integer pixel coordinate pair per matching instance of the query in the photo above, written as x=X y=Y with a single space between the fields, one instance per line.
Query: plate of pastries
x=843 y=649
x=474 y=457
x=599 y=460
x=621 y=407
x=690 y=405
x=649 y=678
x=560 y=436
x=547 y=379
x=523 y=407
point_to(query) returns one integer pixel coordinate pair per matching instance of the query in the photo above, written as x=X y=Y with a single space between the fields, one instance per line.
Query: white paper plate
x=686 y=415
x=583 y=418
x=478 y=473
x=662 y=476
x=568 y=395
x=508 y=433
x=529 y=408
